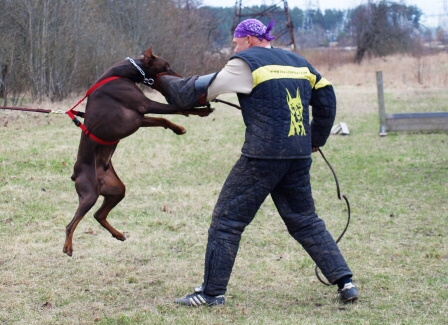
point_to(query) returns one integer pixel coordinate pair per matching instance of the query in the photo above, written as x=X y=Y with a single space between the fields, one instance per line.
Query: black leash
x=216 y=100
x=340 y=197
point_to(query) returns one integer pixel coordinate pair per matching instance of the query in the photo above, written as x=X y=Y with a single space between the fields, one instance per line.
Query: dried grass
x=401 y=71
x=396 y=244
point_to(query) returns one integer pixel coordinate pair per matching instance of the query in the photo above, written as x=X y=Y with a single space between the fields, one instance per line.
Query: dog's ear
x=147 y=56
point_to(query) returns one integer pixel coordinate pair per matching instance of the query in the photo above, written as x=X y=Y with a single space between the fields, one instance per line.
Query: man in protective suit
x=275 y=89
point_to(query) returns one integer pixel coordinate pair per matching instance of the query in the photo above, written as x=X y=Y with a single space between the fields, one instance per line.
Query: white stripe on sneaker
x=348 y=286
x=197 y=300
x=192 y=302
x=202 y=300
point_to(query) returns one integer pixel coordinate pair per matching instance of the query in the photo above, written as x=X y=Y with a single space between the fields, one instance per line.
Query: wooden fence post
x=381 y=106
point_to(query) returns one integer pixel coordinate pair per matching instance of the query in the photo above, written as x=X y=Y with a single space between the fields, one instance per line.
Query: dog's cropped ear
x=147 y=56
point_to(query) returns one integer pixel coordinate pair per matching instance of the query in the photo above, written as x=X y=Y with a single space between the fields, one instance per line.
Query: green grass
x=396 y=243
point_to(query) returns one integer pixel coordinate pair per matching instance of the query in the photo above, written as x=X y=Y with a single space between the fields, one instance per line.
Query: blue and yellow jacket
x=276 y=112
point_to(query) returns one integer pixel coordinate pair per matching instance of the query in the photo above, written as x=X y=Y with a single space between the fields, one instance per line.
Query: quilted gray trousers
x=247 y=186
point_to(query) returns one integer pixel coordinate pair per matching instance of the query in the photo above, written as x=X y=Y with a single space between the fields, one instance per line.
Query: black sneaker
x=199 y=298
x=348 y=293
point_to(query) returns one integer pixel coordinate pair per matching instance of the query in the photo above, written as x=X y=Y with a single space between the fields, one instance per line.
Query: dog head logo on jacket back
x=296 y=108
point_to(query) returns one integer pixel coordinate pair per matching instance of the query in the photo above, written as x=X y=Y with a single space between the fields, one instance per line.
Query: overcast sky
x=431 y=8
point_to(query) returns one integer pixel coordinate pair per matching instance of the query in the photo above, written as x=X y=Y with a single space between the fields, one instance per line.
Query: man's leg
x=245 y=189
x=294 y=201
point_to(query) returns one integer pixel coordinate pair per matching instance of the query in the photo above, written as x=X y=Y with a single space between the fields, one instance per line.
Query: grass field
x=396 y=243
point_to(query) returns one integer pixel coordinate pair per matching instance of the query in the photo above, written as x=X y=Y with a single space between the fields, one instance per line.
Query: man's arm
x=323 y=101
x=235 y=77
x=196 y=91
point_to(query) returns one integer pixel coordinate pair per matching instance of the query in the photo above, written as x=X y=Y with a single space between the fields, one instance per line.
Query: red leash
x=37 y=110
x=72 y=113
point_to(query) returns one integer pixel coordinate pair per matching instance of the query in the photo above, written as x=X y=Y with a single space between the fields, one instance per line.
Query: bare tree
x=51 y=48
x=384 y=28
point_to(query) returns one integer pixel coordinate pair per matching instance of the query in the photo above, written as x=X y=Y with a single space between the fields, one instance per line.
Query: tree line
x=377 y=27
x=50 y=49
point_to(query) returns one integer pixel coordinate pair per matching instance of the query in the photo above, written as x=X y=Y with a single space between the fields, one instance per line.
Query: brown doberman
x=115 y=110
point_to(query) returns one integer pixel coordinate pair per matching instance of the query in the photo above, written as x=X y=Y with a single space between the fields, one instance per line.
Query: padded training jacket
x=276 y=112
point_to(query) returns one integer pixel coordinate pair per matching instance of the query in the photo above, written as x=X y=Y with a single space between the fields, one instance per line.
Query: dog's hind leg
x=87 y=194
x=113 y=190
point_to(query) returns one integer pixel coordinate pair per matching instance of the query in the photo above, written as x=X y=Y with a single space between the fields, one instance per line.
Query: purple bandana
x=254 y=27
